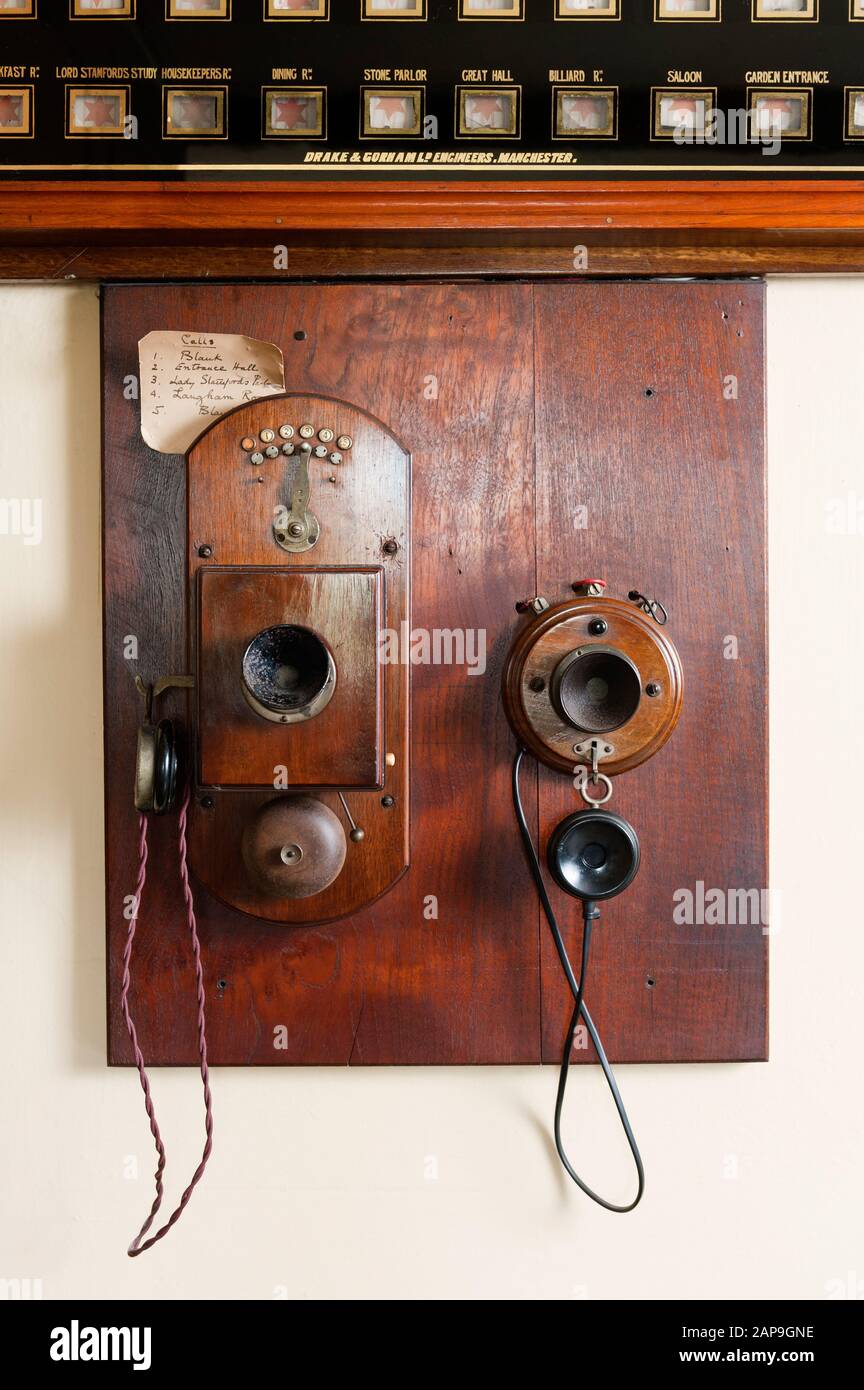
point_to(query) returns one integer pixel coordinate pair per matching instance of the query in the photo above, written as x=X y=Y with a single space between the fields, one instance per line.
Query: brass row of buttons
x=272 y=450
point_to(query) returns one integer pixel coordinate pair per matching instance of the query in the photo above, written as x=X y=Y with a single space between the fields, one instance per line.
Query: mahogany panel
x=444 y=967
x=653 y=420
x=632 y=422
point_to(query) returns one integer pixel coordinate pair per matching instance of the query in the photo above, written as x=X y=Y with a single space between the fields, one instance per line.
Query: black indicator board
x=428 y=89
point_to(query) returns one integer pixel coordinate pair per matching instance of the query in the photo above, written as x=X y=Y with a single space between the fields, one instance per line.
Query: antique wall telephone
x=290 y=768
x=591 y=688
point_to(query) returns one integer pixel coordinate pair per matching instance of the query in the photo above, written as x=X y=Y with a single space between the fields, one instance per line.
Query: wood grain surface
x=201 y=231
x=452 y=257
x=671 y=471
x=357 y=586
x=508 y=395
x=125 y=206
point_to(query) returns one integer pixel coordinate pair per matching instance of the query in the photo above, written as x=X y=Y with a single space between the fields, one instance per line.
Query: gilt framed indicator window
x=490 y=112
x=296 y=9
x=688 y=10
x=491 y=9
x=101 y=9
x=16 y=113
x=97 y=112
x=775 y=11
x=197 y=9
x=783 y=112
x=682 y=113
x=588 y=9
x=195 y=113
x=393 y=10
x=584 y=113
x=294 y=113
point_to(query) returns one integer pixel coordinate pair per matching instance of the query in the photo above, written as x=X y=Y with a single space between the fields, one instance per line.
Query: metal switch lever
x=300 y=528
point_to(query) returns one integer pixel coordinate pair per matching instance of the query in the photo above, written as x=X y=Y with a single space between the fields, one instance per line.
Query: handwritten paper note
x=189 y=379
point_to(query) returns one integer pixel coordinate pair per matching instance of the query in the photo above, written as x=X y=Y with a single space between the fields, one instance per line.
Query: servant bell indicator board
x=430 y=89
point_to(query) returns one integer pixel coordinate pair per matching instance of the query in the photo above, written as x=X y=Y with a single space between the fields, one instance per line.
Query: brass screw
x=390 y=547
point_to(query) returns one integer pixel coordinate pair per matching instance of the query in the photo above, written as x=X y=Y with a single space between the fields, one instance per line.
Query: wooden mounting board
x=511 y=398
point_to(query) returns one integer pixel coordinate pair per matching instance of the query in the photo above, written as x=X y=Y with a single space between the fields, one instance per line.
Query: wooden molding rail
x=121 y=231
x=192 y=209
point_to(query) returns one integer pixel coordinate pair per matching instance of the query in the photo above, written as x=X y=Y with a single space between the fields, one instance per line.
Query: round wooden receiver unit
x=592 y=668
x=293 y=847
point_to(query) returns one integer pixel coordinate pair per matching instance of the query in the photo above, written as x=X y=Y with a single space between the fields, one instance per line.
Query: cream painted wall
x=319 y=1186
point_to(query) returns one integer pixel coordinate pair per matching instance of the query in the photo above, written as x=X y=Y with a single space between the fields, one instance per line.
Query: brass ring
x=596 y=801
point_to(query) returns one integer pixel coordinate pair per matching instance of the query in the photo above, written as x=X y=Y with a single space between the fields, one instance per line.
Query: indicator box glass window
x=776 y=10
x=688 y=10
x=390 y=111
x=394 y=9
x=491 y=9
x=17 y=9
x=102 y=9
x=682 y=113
x=587 y=9
x=584 y=113
x=197 y=9
x=296 y=9
x=487 y=111
x=294 y=113
x=96 y=111
x=194 y=113
x=780 y=113
x=854 y=129
x=16 y=113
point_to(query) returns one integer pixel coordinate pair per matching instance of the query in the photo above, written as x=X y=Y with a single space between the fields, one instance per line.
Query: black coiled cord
x=590 y=912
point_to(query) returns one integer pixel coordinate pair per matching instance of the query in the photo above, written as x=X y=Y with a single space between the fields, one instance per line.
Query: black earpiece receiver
x=591 y=688
x=594 y=855
x=158 y=754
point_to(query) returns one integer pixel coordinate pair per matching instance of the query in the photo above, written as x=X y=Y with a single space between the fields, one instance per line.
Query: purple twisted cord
x=136 y=1248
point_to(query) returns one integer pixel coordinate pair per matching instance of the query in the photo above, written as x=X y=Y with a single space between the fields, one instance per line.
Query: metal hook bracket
x=652 y=606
